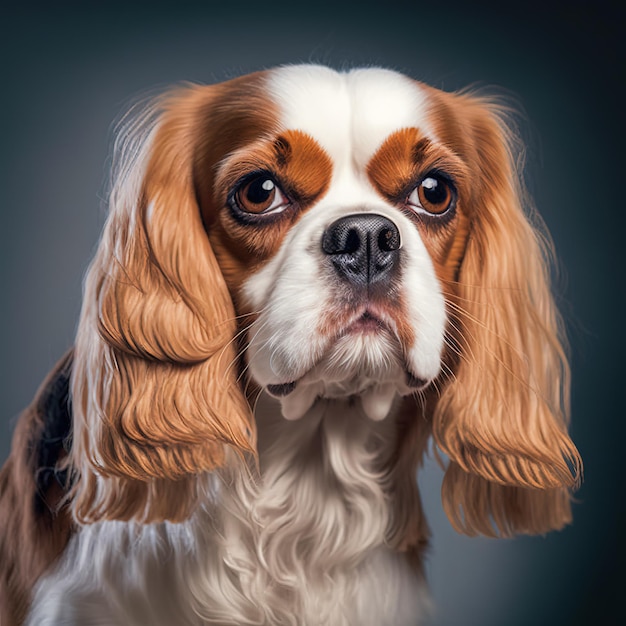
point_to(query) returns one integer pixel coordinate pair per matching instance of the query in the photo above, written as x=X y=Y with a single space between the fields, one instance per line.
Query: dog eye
x=260 y=194
x=434 y=195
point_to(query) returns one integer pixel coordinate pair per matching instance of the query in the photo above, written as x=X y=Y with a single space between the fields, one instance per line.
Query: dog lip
x=414 y=381
x=368 y=321
x=281 y=390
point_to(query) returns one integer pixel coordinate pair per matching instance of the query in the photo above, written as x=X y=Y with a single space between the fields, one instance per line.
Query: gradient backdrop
x=67 y=73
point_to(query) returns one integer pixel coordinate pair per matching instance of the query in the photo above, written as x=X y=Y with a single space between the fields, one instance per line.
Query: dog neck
x=318 y=515
x=323 y=475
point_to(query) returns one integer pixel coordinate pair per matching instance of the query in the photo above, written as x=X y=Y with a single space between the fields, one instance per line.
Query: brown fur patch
x=300 y=167
x=35 y=526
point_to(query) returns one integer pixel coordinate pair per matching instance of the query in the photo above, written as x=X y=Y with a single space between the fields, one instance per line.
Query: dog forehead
x=349 y=114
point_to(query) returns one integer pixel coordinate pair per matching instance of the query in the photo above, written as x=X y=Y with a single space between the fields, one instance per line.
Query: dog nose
x=363 y=248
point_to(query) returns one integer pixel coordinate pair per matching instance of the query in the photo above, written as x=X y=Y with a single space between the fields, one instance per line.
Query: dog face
x=347 y=213
x=352 y=235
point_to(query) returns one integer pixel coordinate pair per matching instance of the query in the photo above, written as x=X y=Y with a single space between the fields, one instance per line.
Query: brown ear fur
x=156 y=398
x=35 y=524
x=502 y=419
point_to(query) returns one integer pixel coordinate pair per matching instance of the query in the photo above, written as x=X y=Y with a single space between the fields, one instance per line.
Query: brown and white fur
x=304 y=276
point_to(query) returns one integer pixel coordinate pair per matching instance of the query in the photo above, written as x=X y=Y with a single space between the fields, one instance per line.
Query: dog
x=304 y=278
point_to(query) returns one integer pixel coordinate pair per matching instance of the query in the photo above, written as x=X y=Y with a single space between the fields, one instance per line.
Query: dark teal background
x=68 y=71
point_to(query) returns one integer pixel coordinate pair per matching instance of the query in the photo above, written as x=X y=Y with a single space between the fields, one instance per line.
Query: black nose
x=364 y=248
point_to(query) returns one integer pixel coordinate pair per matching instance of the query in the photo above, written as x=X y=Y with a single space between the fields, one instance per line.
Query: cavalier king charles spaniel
x=304 y=276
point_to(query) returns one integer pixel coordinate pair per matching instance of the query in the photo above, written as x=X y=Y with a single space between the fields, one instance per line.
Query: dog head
x=320 y=235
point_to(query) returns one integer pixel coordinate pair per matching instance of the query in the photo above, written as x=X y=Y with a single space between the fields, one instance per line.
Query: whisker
x=502 y=339
x=459 y=285
x=240 y=352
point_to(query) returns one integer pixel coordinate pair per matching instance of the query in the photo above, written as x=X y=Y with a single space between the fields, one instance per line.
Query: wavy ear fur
x=156 y=400
x=502 y=419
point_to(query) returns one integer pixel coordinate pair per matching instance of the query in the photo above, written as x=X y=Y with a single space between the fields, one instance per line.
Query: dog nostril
x=353 y=242
x=345 y=239
x=389 y=240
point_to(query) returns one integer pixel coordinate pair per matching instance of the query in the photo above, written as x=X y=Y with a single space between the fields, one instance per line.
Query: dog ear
x=155 y=390
x=502 y=419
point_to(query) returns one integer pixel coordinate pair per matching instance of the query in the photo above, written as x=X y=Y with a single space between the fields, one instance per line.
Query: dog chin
x=367 y=367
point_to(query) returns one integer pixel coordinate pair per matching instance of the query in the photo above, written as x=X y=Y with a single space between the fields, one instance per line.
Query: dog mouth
x=281 y=390
x=368 y=322
x=364 y=359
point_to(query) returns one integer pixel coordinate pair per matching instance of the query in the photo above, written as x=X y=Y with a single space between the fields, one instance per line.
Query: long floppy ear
x=155 y=391
x=502 y=420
